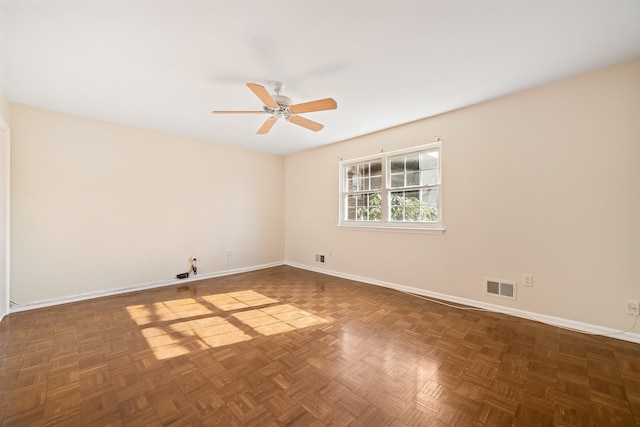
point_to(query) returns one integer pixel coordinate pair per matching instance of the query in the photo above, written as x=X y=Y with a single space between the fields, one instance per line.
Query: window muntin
x=398 y=189
x=365 y=176
x=364 y=191
x=364 y=207
x=415 y=179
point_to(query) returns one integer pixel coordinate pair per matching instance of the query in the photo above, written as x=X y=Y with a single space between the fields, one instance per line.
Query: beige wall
x=98 y=206
x=544 y=182
x=541 y=182
x=4 y=108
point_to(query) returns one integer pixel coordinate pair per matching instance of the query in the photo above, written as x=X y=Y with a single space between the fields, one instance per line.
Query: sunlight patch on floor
x=237 y=300
x=171 y=328
x=277 y=319
x=184 y=337
x=166 y=311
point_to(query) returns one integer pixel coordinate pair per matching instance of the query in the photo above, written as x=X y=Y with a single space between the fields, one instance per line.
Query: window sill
x=416 y=230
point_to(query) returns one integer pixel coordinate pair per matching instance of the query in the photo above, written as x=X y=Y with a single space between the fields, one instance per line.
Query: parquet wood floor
x=284 y=346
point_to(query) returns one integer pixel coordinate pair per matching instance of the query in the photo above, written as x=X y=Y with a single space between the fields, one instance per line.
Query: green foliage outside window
x=397 y=189
x=403 y=208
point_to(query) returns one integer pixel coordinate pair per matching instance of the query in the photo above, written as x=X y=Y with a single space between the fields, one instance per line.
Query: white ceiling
x=165 y=64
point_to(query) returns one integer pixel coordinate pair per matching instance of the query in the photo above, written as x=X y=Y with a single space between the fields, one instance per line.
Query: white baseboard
x=109 y=292
x=543 y=318
x=550 y=320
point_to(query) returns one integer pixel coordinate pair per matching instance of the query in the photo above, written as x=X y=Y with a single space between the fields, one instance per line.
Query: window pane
x=364 y=176
x=362 y=214
x=397 y=165
x=363 y=184
x=397 y=180
x=429 y=177
x=376 y=183
x=413 y=178
x=429 y=214
x=429 y=166
x=397 y=206
x=415 y=206
x=412 y=163
x=376 y=168
x=412 y=196
x=375 y=214
x=397 y=213
x=397 y=198
x=410 y=170
x=429 y=197
x=352 y=178
x=412 y=213
x=351 y=214
x=375 y=199
x=429 y=205
x=429 y=160
x=364 y=207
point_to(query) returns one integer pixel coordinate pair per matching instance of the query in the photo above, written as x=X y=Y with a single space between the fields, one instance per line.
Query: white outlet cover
x=633 y=307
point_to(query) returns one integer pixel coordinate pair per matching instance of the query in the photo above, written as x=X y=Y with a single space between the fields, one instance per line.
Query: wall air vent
x=320 y=258
x=500 y=288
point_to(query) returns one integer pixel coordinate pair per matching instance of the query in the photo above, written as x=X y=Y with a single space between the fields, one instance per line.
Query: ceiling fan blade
x=237 y=112
x=306 y=123
x=319 y=105
x=267 y=125
x=264 y=96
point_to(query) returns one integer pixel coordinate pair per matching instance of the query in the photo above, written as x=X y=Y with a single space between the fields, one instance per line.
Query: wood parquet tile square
x=288 y=347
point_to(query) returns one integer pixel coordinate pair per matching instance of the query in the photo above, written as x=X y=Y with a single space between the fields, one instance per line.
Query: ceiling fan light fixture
x=281 y=107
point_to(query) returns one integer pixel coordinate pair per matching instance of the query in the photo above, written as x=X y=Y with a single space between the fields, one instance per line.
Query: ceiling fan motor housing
x=283 y=102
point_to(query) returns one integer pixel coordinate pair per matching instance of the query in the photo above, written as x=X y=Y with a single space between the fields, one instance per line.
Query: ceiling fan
x=279 y=106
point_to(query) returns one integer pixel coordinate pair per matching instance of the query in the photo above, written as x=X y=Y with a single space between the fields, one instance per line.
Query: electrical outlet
x=633 y=307
x=527 y=279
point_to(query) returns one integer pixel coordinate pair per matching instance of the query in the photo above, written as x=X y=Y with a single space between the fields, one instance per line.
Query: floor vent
x=500 y=288
x=320 y=258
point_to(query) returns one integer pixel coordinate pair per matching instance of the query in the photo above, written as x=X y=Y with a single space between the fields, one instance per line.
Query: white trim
x=110 y=292
x=4 y=129
x=386 y=224
x=543 y=318
x=419 y=230
x=398 y=152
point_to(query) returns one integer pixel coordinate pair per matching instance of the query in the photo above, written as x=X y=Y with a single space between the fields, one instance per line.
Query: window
x=400 y=189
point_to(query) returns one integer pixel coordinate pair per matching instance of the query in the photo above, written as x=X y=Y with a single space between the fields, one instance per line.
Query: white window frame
x=435 y=227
